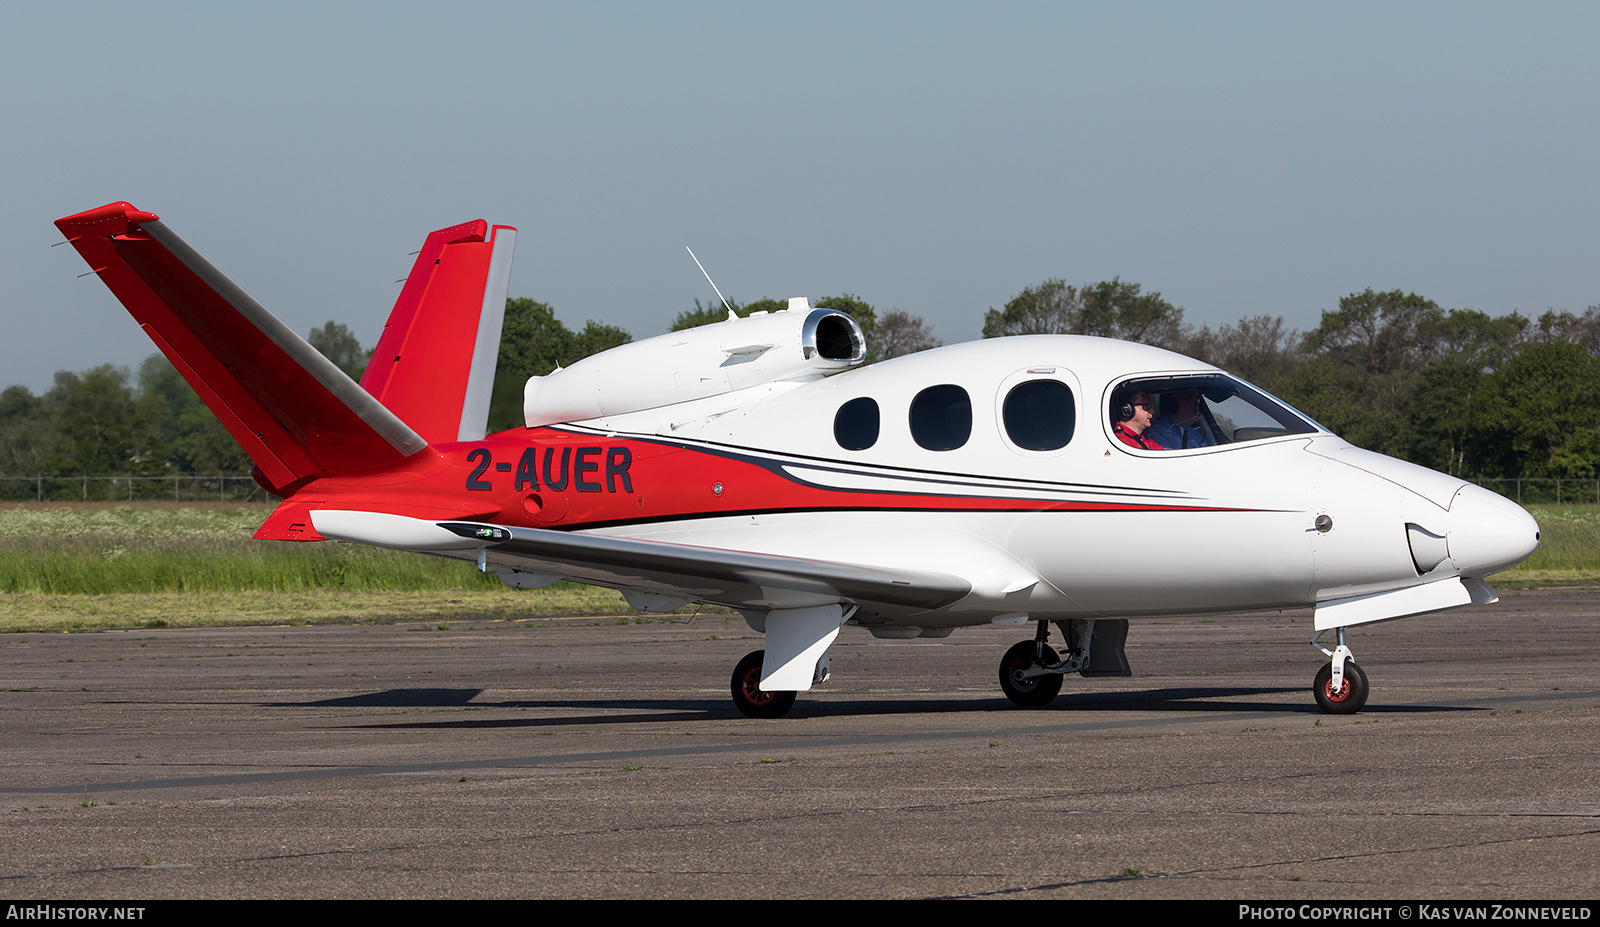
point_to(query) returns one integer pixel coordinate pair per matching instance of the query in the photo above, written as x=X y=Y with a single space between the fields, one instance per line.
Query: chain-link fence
x=181 y=488
x=1560 y=491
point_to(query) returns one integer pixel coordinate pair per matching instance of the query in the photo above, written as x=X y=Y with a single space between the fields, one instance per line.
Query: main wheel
x=748 y=696
x=1033 y=692
x=1346 y=701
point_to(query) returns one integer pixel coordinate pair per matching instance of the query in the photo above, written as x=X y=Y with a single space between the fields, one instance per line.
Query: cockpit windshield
x=1208 y=410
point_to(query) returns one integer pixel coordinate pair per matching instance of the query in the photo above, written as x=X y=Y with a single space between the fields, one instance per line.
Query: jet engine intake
x=797 y=343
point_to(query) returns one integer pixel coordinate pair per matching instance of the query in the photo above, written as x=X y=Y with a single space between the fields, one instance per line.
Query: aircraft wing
x=736 y=578
x=799 y=603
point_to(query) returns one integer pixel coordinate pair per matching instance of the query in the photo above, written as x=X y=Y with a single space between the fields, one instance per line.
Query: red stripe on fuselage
x=568 y=480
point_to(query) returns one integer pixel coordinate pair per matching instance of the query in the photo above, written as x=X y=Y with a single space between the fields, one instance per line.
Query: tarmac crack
x=1301 y=861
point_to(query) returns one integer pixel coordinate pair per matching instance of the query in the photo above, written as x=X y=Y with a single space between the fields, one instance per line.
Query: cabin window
x=1040 y=415
x=1210 y=411
x=941 y=417
x=855 y=426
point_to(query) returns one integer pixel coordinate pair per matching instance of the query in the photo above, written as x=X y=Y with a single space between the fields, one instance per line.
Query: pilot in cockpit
x=1130 y=420
x=1175 y=428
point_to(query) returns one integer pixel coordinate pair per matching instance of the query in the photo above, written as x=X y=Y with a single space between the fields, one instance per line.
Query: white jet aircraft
x=757 y=463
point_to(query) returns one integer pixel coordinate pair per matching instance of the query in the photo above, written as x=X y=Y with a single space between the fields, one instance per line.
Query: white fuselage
x=1091 y=528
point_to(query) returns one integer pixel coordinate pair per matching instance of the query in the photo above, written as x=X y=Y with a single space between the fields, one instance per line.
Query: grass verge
x=130 y=610
x=1569 y=547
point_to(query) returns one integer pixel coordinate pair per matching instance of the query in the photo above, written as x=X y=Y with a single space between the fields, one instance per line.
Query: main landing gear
x=1024 y=676
x=1030 y=672
x=748 y=696
x=1340 y=686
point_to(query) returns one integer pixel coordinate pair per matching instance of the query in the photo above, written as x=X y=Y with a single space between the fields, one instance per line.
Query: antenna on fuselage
x=731 y=314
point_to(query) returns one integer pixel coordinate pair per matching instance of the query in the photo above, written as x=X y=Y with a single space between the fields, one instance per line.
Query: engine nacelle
x=798 y=343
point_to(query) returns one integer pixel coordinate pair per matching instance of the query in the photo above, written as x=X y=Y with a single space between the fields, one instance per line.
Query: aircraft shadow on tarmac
x=1176 y=701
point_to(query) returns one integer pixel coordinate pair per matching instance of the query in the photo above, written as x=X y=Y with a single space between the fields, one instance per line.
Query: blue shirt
x=1172 y=436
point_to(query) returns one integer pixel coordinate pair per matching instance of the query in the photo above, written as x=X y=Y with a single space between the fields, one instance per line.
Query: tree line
x=1455 y=390
x=1458 y=390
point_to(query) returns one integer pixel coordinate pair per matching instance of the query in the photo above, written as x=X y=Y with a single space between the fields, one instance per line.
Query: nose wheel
x=1348 y=698
x=1340 y=686
x=748 y=696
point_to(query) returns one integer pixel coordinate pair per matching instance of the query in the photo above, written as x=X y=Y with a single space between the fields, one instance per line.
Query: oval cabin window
x=855 y=426
x=1040 y=415
x=941 y=417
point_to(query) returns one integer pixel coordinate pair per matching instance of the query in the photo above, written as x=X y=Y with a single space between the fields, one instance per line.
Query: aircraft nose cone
x=1488 y=532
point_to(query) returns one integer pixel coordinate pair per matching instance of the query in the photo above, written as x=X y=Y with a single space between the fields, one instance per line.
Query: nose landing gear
x=1340 y=686
x=1346 y=699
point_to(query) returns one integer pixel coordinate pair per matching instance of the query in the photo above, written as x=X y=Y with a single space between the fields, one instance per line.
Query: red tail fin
x=434 y=364
x=295 y=413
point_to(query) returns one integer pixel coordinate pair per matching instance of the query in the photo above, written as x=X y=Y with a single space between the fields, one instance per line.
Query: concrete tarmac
x=598 y=759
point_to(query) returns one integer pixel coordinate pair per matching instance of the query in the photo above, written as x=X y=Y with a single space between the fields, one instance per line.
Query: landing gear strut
x=1340 y=685
x=748 y=696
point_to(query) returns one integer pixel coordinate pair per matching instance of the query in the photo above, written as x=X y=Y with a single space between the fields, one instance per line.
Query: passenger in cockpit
x=1130 y=419
x=1175 y=428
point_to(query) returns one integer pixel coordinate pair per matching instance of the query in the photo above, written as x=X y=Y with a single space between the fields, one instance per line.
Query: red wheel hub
x=751 y=685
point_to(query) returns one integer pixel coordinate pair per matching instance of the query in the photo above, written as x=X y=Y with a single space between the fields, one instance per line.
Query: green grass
x=1569 y=547
x=130 y=610
x=101 y=549
x=92 y=566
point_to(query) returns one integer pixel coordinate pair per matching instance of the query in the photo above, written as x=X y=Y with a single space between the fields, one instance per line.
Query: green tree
x=1467 y=348
x=1259 y=349
x=1583 y=330
x=1379 y=333
x=1051 y=308
x=197 y=441
x=168 y=399
x=100 y=428
x=899 y=333
x=25 y=434
x=211 y=448
x=1116 y=308
x=1112 y=308
x=717 y=312
x=1540 y=415
x=337 y=344
x=1366 y=361
x=533 y=342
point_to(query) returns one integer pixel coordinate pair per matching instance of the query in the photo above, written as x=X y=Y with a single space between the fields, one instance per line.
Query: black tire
x=1347 y=702
x=748 y=696
x=1029 y=693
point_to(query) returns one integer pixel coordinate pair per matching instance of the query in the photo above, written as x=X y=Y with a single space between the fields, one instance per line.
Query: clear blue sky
x=1240 y=158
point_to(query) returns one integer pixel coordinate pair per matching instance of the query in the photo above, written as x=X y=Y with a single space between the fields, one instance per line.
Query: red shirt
x=1133 y=440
